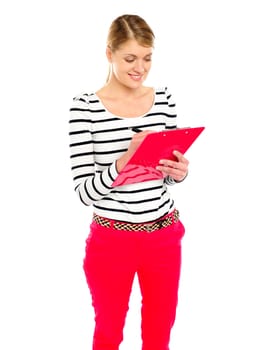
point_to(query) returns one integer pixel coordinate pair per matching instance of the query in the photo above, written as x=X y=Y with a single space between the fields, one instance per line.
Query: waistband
x=165 y=221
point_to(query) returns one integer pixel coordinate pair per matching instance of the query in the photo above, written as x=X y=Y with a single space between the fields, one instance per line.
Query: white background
x=210 y=54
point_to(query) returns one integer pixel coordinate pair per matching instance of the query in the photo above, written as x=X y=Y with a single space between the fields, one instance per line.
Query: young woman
x=135 y=229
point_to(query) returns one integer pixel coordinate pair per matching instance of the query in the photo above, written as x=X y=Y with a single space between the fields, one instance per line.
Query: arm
x=175 y=171
x=90 y=185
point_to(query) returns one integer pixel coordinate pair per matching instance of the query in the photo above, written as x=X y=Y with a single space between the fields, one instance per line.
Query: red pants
x=112 y=259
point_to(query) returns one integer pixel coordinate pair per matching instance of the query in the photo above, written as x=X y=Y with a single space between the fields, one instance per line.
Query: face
x=131 y=63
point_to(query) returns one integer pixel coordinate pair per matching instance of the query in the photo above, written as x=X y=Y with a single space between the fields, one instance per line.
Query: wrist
x=121 y=162
x=178 y=181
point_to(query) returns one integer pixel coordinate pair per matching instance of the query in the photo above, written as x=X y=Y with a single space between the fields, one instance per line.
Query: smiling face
x=130 y=64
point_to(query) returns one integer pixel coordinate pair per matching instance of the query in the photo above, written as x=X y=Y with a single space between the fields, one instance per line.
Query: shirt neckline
x=123 y=117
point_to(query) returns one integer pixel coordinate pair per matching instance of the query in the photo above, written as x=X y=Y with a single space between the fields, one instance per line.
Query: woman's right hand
x=134 y=144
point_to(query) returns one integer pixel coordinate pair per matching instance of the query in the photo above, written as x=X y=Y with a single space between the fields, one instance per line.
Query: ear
x=109 y=54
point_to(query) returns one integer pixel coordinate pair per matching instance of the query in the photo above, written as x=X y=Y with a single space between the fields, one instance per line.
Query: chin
x=135 y=84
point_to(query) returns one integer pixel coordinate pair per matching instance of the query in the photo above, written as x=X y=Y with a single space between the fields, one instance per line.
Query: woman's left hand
x=177 y=169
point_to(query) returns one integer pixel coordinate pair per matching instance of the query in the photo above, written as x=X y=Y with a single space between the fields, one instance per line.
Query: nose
x=139 y=66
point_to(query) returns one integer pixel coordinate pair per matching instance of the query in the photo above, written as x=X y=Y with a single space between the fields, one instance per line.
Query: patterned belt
x=166 y=221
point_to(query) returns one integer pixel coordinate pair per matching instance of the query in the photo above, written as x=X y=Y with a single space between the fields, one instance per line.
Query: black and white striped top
x=97 y=139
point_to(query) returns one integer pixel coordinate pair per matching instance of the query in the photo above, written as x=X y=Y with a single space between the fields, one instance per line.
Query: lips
x=136 y=77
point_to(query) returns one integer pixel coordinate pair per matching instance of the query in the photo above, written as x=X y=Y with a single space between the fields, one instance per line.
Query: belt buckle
x=154 y=226
x=149 y=227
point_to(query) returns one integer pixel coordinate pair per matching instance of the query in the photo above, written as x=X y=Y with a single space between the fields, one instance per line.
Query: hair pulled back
x=127 y=27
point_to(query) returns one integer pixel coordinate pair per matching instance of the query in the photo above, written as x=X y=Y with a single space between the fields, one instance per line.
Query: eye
x=129 y=60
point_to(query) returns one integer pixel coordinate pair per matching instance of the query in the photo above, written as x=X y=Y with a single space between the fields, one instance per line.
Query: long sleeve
x=172 y=125
x=90 y=184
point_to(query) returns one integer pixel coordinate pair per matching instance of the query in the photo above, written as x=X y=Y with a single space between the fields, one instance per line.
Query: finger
x=180 y=157
x=141 y=135
x=173 y=164
x=173 y=172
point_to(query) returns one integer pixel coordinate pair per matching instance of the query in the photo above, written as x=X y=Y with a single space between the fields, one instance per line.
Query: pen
x=136 y=129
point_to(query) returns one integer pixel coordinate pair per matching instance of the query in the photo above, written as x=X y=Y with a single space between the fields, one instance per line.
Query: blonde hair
x=127 y=27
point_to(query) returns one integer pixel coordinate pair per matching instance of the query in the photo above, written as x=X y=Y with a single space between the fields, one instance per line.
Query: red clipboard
x=155 y=146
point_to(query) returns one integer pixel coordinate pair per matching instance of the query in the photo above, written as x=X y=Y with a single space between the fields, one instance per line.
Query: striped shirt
x=97 y=139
